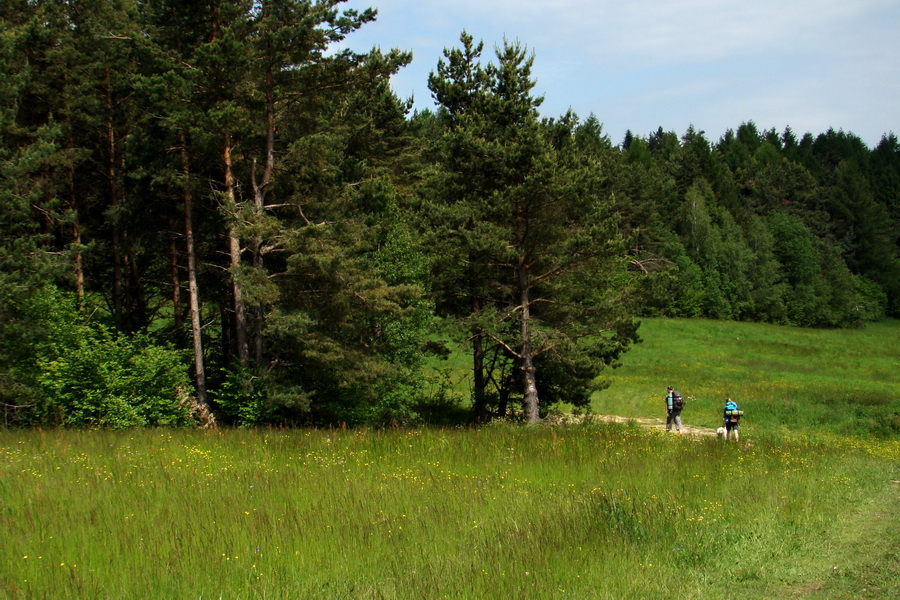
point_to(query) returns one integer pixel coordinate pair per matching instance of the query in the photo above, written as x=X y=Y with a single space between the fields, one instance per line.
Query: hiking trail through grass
x=650 y=423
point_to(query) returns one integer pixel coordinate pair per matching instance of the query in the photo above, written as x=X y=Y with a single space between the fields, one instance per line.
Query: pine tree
x=527 y=212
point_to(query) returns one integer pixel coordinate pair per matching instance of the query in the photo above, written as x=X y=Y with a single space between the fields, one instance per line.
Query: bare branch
x=502 y=343
x=644 y=265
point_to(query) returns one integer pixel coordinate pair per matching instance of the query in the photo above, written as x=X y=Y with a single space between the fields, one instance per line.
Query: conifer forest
x=220 y=212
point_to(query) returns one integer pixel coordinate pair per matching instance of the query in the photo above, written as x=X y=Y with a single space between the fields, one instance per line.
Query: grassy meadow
x=597 y=511
x=786 y=379
x=589 y=511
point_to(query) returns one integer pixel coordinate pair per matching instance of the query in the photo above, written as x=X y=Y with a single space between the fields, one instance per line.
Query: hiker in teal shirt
x=731 y=419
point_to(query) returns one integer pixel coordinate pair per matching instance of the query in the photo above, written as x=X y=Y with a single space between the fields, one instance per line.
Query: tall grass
x=599 y=511
x=843 y=381
x=592 y=511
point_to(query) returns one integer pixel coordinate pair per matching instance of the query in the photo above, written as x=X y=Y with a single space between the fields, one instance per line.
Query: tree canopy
x=228 y=198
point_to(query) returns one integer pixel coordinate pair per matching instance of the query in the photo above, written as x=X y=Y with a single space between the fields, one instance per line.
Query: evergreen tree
x=33 y=168
x=347 y=316
x=529 y=213
x=460 y=227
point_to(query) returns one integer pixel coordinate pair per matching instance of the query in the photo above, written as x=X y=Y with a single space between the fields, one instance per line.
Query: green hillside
x=845 y=381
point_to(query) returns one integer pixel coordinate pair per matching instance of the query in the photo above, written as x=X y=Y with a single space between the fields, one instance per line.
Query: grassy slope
x=860 y=560
x=598 y=512
x=844 y=381
x=494 y=512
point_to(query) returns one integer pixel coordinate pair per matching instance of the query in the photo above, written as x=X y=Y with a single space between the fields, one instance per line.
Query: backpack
x=677 y=401
x=732 y=412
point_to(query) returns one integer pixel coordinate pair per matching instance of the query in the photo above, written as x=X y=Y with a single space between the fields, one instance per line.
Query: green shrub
x=871 y=301
x=116 y=381
x=242 y=398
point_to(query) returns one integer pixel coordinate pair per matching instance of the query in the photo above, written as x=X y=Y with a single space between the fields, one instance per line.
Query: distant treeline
x=764 y=226
x=215 y=210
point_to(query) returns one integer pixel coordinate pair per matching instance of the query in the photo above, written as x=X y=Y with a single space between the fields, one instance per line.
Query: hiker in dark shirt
x=674 y=405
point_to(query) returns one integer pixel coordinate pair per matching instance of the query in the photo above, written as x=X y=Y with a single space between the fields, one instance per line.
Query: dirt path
x=657 y=424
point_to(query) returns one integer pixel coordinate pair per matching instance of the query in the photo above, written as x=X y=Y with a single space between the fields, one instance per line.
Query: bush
x=871 y=301
x=116 y=381
x=242 y=398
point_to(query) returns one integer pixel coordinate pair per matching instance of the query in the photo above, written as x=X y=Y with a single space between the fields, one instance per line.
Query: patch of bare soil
x=659 y=424
x=644 y=422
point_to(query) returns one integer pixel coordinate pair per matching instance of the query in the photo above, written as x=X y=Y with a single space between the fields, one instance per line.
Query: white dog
x=720 y=431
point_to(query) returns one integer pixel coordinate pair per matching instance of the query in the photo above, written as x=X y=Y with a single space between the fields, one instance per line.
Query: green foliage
x=354 y=315
x=678 y=290
x=825 y=292
x=872 y=300
x=528 y=259
x=100 y=379
x=353 y=223
x=30 y=322
x=778 y=228
x=242 y=398
x=571 y=378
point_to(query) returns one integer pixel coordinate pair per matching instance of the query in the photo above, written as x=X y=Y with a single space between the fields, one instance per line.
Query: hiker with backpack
x=731 y=419
x=674 y=406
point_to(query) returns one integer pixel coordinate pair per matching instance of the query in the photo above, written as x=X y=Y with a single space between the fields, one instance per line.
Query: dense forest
x=220 y=212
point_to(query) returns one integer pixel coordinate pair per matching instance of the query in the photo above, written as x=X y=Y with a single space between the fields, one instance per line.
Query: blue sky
x=644 y=64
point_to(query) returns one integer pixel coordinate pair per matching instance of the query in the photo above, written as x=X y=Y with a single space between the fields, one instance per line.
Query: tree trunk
x=128 y=302
x=531 y=392
x=479 y=382
x=175 y=275
x=234 y=248
x=532 y=413
x=76 y=238
x=193 y=290
x=506 y=387
x=73 y=205
x=136 y=307
x=79 y=265
x=531 y=399
x=113 y=187
x=479 y=395
x=260 y=189
x=240 y=312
